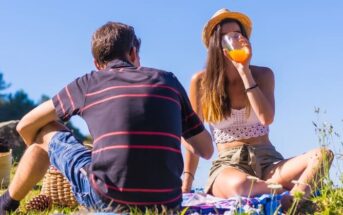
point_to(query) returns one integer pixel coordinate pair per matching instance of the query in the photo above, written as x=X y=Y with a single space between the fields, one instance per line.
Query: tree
x=16 y=106
x=43 y=98
x=3 y=86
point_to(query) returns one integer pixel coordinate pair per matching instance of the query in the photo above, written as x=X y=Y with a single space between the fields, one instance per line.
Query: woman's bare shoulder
x=262 y=73
x=262 y=70
x=198 y=75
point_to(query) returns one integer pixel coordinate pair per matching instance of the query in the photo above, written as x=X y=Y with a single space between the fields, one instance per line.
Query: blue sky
x=46 y=44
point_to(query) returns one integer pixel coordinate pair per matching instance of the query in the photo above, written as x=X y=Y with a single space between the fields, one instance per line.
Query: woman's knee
x=327 y=155
x=242 y=187
x=234 y=186
x=321 y=154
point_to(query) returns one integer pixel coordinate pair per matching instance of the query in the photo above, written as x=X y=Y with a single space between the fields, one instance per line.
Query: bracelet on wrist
x=250 y=88
x=191 y=174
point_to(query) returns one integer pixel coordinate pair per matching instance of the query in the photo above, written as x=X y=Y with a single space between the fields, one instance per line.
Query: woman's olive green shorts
x=250 y=159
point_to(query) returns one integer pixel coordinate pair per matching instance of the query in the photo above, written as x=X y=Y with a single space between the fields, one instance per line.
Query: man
x=136 y=117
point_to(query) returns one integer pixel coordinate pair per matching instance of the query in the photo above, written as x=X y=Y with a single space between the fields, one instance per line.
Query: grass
x=35 y=192
x=329 y=198
x=329 y=202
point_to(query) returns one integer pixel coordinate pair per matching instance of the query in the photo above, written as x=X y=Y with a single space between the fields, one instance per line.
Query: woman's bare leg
x=306 y=169
x=232 y=182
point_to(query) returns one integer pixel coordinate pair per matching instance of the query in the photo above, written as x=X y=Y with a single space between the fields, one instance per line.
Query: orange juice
x=238 y=55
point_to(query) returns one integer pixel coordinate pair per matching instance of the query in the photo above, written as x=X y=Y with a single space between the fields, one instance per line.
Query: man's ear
x=132 y=54
x=98 y=65
x=134 y=57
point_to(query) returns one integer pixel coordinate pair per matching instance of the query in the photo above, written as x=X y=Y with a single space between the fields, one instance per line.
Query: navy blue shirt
x=136 y=117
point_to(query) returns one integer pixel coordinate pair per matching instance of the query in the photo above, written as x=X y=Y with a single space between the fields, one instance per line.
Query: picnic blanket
x=201 y=203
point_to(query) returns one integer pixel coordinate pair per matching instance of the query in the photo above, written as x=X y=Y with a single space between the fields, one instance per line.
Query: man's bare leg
x=33 y=164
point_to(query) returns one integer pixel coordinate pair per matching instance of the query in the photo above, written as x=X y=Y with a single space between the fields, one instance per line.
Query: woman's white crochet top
x=240 y=125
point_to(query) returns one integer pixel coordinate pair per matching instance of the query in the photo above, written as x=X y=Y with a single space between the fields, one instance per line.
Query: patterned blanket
x=200 y=203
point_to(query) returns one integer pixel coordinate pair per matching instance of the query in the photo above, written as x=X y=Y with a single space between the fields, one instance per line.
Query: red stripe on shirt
x=70 y=99
x=194 y=127
x=189 y=116
x=139 y=190
x=133 y=86
x=62 y=107
x=130 y=95
x=153 y=133
x=95 y=186
x=137 y=147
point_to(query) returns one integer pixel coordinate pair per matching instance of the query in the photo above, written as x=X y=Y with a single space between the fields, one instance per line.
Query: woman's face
x=236 y=41
x=230 y=27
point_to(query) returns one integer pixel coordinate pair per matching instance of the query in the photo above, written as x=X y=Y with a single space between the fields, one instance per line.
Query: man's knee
x=37 y=149
x=47 y=132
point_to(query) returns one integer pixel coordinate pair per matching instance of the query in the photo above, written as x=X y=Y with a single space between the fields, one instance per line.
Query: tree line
x=13 y=106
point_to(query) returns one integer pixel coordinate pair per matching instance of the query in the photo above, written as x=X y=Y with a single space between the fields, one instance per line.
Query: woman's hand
x=242 y=67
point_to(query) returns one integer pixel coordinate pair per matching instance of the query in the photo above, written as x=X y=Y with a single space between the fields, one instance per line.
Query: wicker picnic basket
x=58 y=188
x=5 y=168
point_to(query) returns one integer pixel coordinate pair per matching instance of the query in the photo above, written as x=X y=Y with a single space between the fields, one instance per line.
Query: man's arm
x=200 y=144
x=191 y=162
x=29 y=126
x=202 y=140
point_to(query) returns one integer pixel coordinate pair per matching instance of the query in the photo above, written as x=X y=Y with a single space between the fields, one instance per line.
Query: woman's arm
x=259 y=84
x=261 y=97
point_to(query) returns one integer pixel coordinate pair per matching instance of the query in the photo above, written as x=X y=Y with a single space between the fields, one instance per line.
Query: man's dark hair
x=113 y=41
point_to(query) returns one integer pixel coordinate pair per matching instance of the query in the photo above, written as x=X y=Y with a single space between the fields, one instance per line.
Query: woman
x=237 y=100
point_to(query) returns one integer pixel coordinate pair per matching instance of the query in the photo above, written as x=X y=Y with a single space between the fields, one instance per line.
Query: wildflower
x=298 y=195
x=275 y=186
x=253 y=178
x=295 y=182
x=299 y=183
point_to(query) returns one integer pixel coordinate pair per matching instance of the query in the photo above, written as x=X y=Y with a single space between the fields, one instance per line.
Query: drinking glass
x=234 y=48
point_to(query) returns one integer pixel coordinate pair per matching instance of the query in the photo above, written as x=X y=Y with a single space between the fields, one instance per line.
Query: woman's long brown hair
x=215 y=102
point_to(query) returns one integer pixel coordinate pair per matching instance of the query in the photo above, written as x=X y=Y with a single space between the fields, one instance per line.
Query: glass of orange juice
x=234 y=48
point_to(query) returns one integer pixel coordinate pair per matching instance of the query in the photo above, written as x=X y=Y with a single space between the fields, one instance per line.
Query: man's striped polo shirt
x=137 y=117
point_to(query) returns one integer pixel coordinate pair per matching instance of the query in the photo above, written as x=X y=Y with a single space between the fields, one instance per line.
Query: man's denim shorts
x=71 y=157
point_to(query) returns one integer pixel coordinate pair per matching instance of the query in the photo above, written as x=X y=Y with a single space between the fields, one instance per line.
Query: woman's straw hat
x=219 y=16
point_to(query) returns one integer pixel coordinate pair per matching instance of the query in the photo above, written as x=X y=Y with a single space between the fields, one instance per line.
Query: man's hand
x=187 y=182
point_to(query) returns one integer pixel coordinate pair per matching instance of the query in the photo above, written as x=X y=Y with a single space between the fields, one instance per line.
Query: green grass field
x=329 y=202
